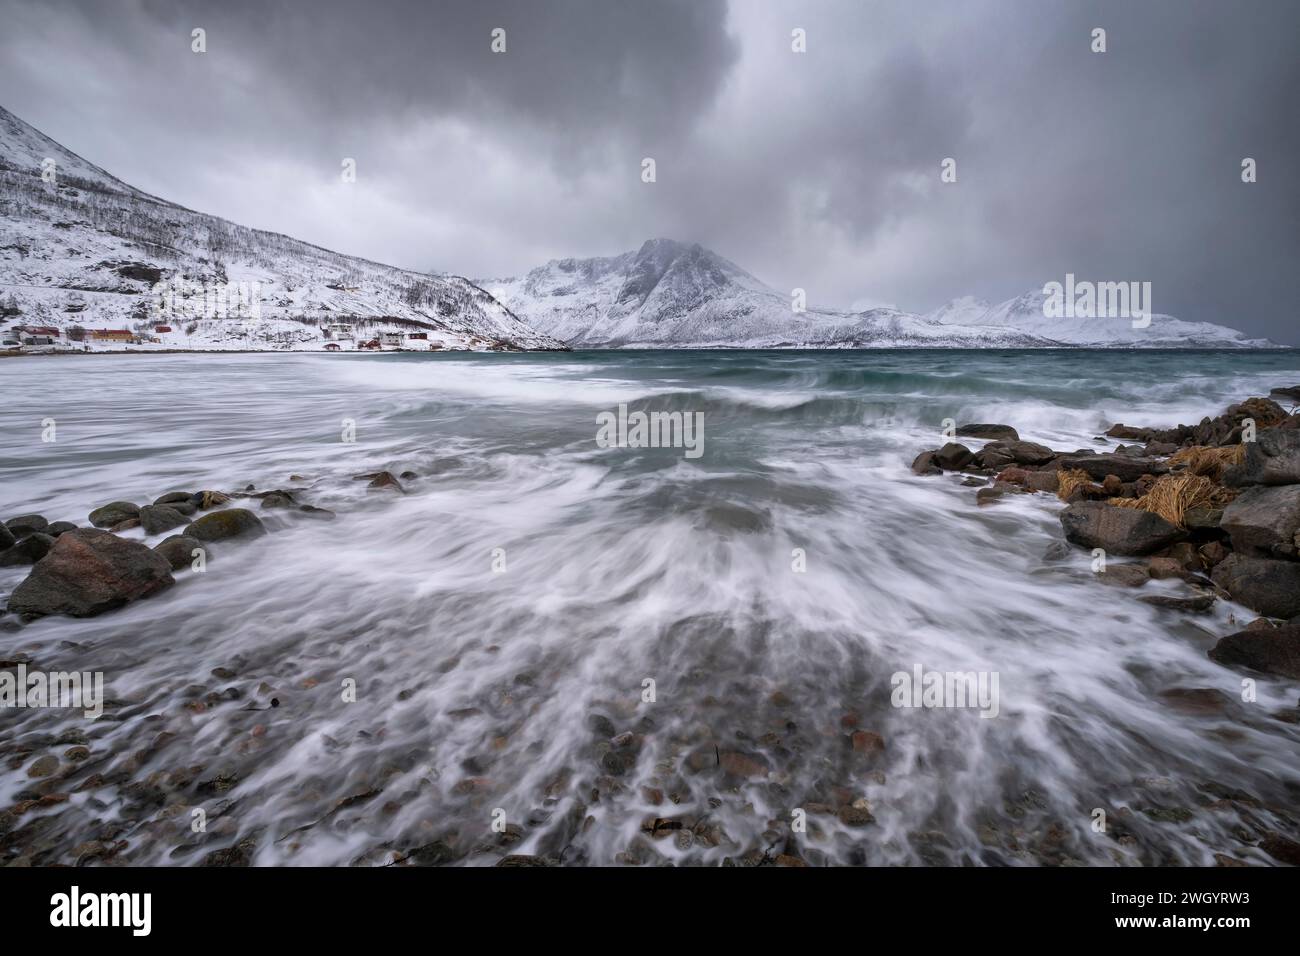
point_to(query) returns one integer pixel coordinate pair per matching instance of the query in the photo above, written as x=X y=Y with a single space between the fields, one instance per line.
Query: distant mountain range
x=87 y=249
x=674 y=294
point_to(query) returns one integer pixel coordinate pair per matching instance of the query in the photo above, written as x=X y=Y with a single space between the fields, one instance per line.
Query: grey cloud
x=817 y=170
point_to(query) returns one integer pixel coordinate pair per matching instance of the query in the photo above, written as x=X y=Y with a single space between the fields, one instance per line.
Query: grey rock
x=88 y=572
x=1272 y=459
x=1126 y=531
x=1264 y=521
x=28 y=550
x=1268 y=586
x=114 y=513
x=1273 y=650
x=179 y=550
x=155 y=519
x=27 y=524
x=230 y=523
x=993 y=432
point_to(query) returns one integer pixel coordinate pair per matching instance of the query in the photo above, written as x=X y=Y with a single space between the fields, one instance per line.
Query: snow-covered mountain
x=86 y=249
x=1027 y=312
x=673 y=294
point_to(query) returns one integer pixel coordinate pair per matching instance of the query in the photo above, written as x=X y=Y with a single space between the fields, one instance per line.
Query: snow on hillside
x=1027 y=313
x=87 y=250
x=679 y=295
x=676 y=294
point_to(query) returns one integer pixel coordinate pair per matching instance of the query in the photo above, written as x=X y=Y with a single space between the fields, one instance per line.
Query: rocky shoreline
x=1215 y=505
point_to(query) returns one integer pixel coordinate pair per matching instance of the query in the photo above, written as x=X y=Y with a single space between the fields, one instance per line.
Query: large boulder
x=7 y=537
x=114 y=513
x=1272 y=650
x=1264 y=585
x=230 y=523
x=155 y=519
x=1124 y=467
x=999 y=454
x=1264 y=521
x=992 y=432
x=1130 y=531
x=88 y=572
x=1272 y=459
x=27 y=551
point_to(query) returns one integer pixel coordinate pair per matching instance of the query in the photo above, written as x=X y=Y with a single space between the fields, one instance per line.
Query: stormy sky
x=818 y=169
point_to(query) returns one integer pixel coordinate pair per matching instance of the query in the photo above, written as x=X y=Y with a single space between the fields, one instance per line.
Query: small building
x=372 y=344
x=162 y=328
x=423 y=336
x=338 y=330
x=332 y=347
x=46 y=331
x=393 y=340
x=112 y=335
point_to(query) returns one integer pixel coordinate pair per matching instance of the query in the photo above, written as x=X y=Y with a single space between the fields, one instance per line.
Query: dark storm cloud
x=818 y=170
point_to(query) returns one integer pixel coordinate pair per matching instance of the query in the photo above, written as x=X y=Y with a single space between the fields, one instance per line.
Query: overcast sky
x=819 y=170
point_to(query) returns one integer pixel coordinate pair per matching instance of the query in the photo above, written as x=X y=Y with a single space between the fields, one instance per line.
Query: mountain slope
x=1027 y=313
x=673 y=294
x=87 y=250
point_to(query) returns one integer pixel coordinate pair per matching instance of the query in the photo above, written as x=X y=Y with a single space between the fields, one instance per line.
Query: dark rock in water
x=1272 y=459
x=88 y=572
x=7 y=537
x=1264 y=585
x=1128 y=531
x=986 y=496
x=27 y=524
x=173 y=497
x=155 y=519
x=229 y=523
x=179 y=550
x=1270 y=650
x=1124 y=467
x=1124 y=575
x=1196 y=700
x=1018 y=452
x=953 y=456
x=29 y=550
x=205 y=500
x=1291 y=392
x=58 y=527
x=1264 y=521
x=126 y=525
x=114 y=513
x=186 y=508
x=524 y=859
x=408 y=476
x=973 y=482
x=1057 y=551
x=925 y=464
x=1129 y=433
x=994 y=432
x=381 y=479
x=311 y=511
x=277 y=499
x=1281 y=848
x=1196 y=604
